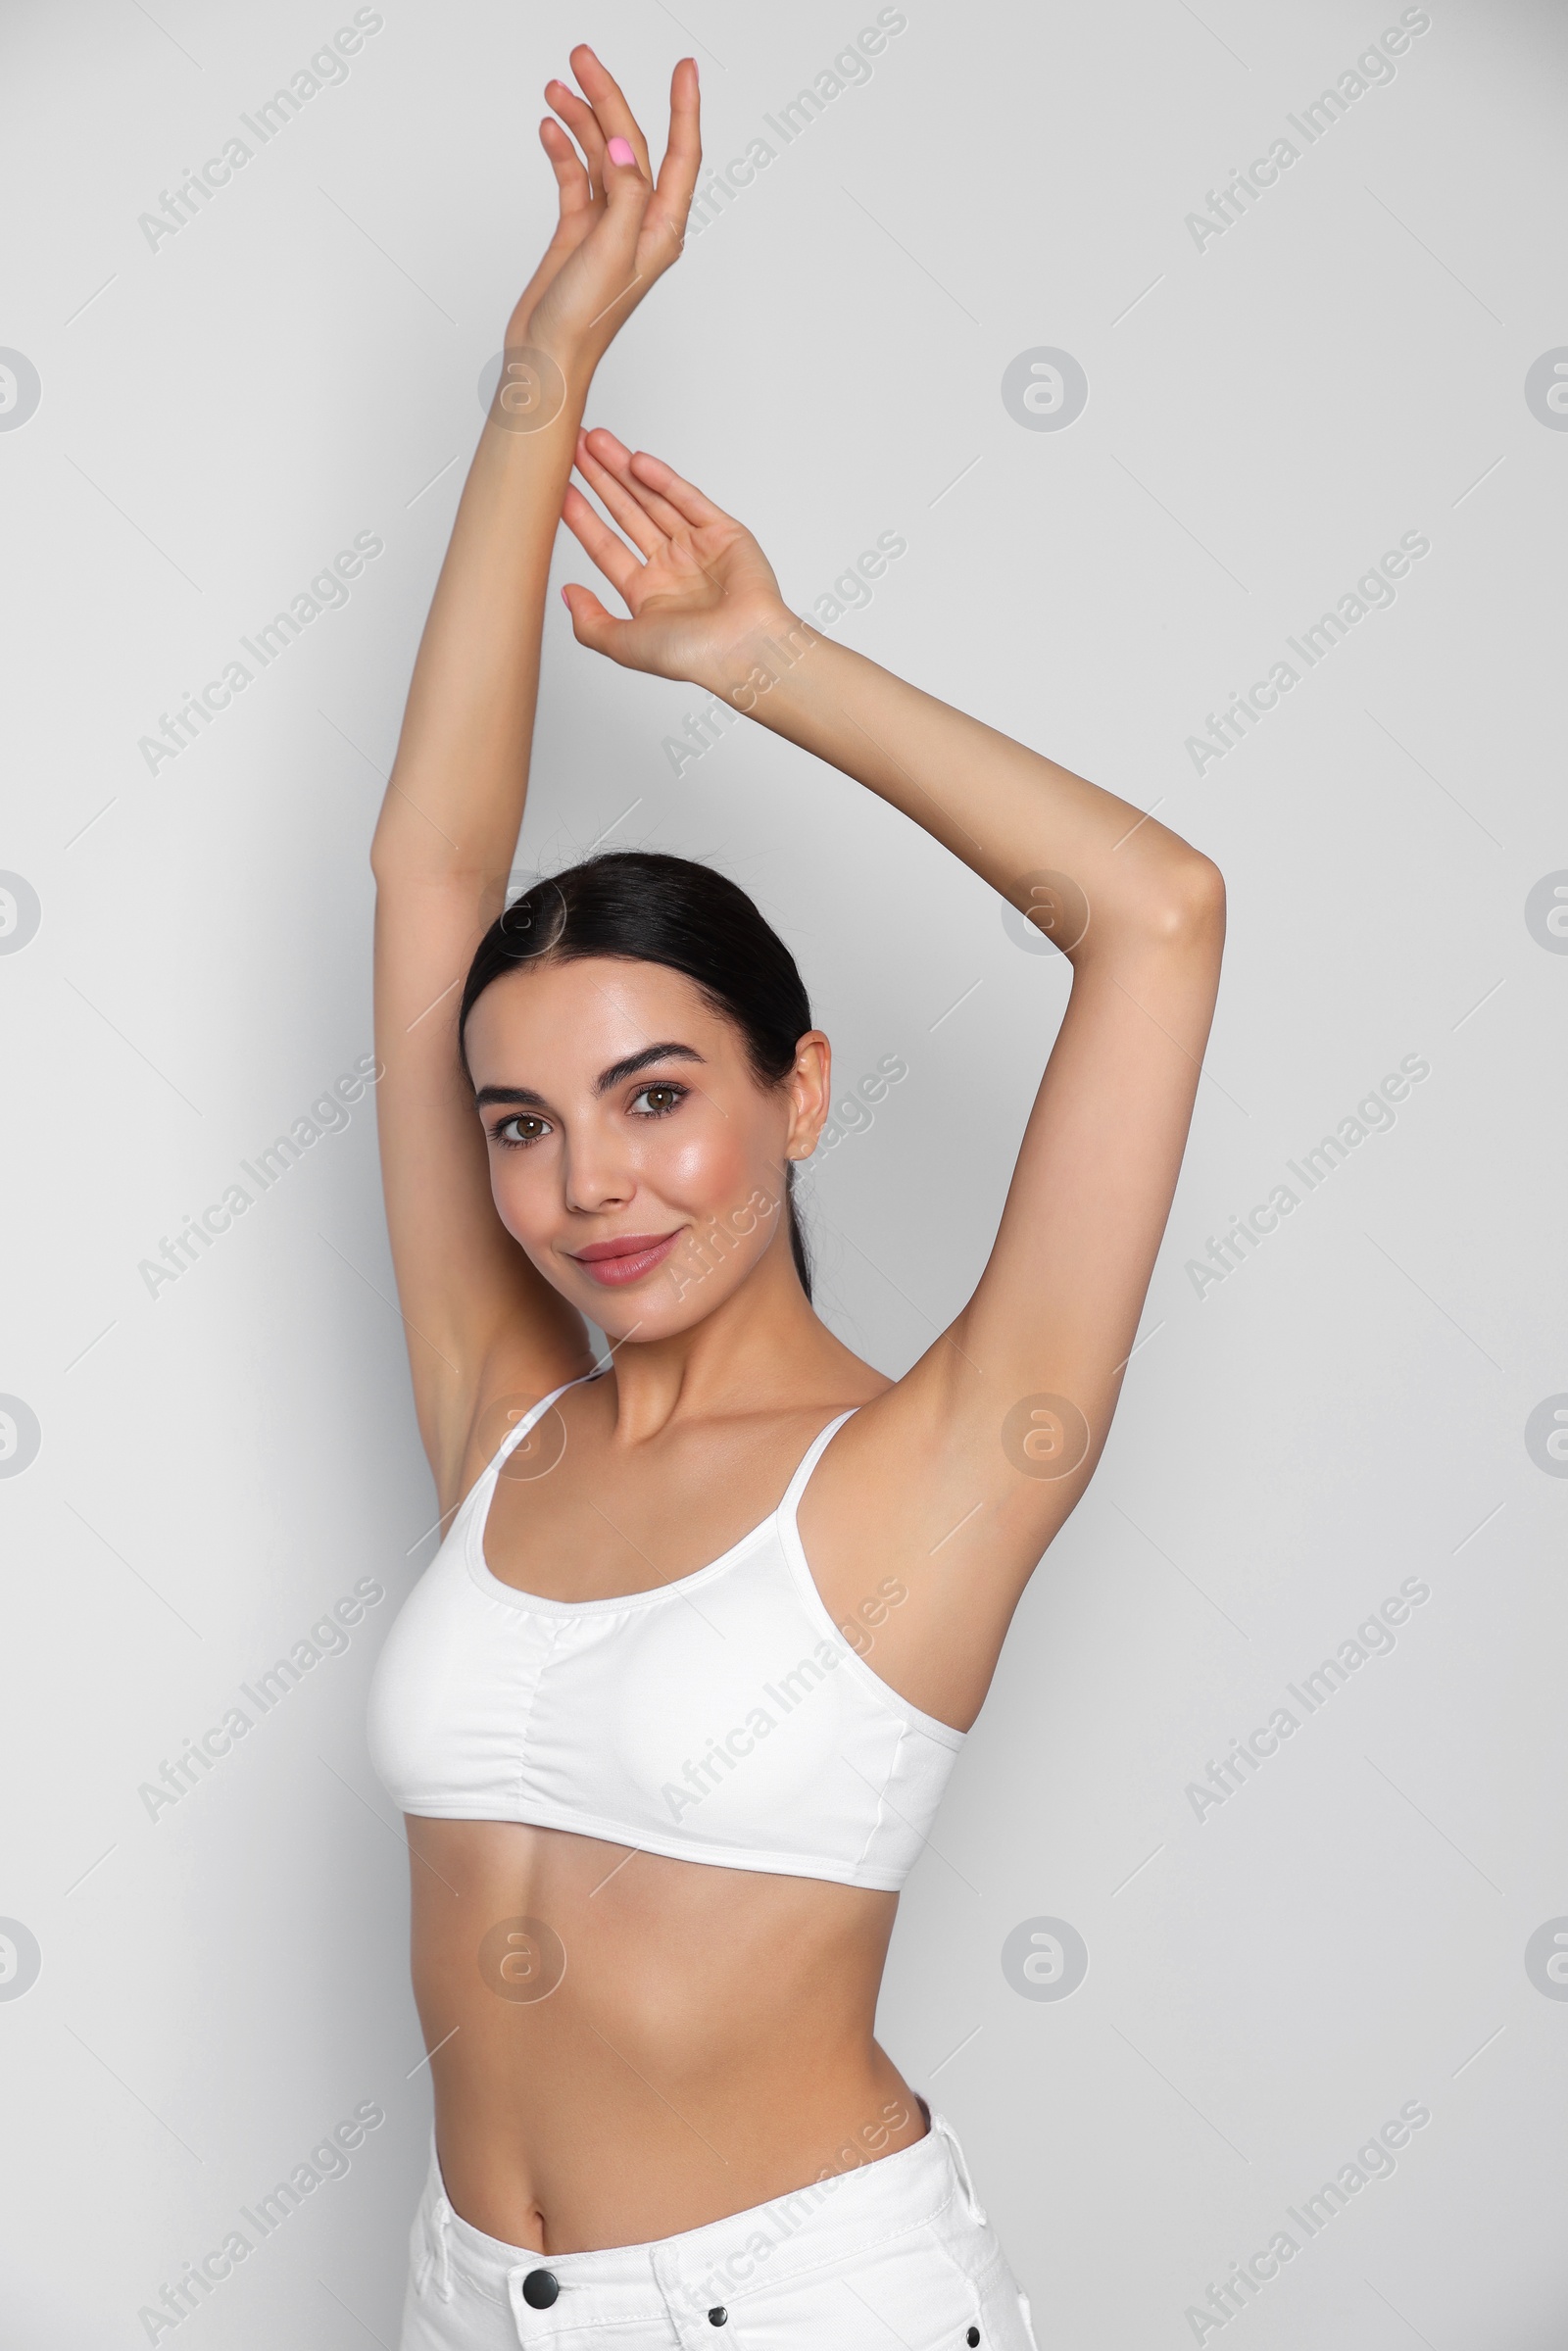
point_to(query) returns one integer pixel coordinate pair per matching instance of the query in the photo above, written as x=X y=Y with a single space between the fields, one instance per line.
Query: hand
x=618 y=230
x=700 y=592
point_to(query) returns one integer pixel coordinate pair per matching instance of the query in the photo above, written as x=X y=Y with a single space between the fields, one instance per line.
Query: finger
x=621 y=230
x=581 y=121
x=611 y=460
x=591 y=624
x=624 y=502
x=576 y=190
x=594 y=535
x=688 y=500
x=615 y=116
x=677 y=174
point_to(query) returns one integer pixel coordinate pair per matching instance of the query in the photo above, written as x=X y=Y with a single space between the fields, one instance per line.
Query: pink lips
x=616 y=1262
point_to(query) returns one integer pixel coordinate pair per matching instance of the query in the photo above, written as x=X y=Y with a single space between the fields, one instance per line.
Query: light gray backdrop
x=203 y=1967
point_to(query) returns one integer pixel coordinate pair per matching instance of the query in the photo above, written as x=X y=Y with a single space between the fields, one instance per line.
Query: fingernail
x=620 y=152
x=566 y=600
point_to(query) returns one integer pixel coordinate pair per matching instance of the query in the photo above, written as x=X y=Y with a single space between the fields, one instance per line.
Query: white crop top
x=719 y=1718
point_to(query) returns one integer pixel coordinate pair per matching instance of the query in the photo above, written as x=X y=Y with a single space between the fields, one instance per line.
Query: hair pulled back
x=647 y=907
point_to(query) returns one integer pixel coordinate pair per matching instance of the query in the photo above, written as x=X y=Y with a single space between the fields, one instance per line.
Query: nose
x=596 y=1170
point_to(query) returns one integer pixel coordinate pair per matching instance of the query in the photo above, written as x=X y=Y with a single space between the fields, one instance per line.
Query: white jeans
x=896 y=2252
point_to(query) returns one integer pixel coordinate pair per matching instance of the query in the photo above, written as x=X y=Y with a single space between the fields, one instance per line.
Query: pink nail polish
x=566 y=600
x=620 y=152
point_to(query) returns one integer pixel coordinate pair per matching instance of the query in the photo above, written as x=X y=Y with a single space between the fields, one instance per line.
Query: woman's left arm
x=1005 y=1417
x=1140 y=916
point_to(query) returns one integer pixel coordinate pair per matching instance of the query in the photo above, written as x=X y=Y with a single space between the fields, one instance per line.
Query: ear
x=809 y=1087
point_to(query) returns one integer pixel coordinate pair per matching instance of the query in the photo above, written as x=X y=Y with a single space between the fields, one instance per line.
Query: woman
x=670 y=1722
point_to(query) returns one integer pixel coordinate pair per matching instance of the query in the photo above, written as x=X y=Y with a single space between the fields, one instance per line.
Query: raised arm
x=987 y=1443
x=449 y=824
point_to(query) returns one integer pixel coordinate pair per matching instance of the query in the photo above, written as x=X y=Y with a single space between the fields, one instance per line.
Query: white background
x=220 y=1461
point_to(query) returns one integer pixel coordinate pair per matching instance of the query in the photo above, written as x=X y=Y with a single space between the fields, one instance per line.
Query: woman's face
x=633 y=1155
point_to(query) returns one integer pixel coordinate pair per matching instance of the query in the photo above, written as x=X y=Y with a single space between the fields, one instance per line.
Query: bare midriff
x=627 y=2046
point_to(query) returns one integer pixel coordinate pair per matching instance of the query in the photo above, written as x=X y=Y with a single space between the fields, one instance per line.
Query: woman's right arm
x=449 y=824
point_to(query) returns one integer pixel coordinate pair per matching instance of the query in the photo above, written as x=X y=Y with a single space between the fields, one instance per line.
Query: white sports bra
x=719 y=1718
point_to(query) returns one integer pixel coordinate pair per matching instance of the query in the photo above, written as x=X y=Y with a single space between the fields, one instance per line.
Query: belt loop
x=439 y=2258
x=436 y=2259
x=939 y=2122
x=680 y=2300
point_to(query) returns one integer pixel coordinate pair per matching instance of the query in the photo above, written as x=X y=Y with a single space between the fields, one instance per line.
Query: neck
x=761 y=1348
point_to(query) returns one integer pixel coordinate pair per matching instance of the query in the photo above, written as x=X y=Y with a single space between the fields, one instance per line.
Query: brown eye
x=529 y=1128
x=659 y=1100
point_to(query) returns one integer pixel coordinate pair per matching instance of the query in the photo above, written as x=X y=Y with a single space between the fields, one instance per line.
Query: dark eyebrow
x=524 y=1097
x=619 y=1070
x=521 y=1094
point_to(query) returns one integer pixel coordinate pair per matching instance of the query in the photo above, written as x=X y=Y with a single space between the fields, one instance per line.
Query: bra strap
x=818 y=1448
x=531 y=1419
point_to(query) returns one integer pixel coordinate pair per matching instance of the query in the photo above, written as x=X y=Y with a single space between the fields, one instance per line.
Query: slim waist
x=778 y=2242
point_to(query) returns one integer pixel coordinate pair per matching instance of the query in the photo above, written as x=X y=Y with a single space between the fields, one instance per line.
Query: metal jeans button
x=540 y=2288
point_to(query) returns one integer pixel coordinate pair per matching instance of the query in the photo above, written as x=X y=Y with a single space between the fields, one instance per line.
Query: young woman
x=671 y=1711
